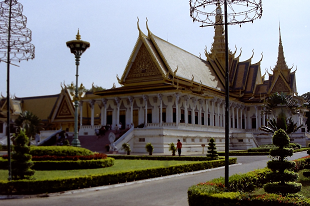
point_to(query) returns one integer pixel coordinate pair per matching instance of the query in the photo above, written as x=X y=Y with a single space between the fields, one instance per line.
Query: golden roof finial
x=138 y=24
x=261 y=58
x=235 y=50
x=281 y=63
x=78 y=36
x=140 y=32
x=240 y=52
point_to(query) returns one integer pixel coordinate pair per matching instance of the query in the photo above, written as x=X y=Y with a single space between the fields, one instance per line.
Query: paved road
x=159 y=192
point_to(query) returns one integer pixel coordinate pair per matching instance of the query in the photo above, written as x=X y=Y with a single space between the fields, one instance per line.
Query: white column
x=145 y=113
x=241 y=109
x=230 y=114
x=246 y=118
x=131 y=109
x=103 y=111
x=223 y=119
x=259 y=117
x=207 y=112
x=233 y=116
x=199 y=114
x=92 y=107
x=218 y=113
x=237 y=111
x=212 y=114
x=118 y=104
x=177 y=97
x=193 y=110
x=185 y=109
x=256 y=116
x=160 y=97
x=81 y=113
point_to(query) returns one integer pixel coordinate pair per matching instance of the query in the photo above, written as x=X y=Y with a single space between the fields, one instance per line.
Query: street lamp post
x=15 y=45
x=241 y=11
x=77 y=47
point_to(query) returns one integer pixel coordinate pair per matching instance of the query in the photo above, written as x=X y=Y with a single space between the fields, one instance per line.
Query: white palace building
x=168 y=93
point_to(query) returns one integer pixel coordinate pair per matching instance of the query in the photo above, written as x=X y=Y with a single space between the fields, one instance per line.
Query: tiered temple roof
x=156 y=65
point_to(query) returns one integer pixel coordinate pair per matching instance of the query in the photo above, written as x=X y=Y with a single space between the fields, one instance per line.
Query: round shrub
x=285 y=152
x=59 y=151
x=280 y=138
x=306 y=174
x=290 y=187
x=286 y=176
x=279 y=165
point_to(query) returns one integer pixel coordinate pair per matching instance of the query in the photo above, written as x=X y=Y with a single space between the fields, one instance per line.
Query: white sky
x=111 y=29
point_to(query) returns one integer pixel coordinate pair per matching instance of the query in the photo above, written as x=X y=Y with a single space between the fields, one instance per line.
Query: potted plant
x=172 y=148
x=107 y=147
x=149 y=148
x=126 y=147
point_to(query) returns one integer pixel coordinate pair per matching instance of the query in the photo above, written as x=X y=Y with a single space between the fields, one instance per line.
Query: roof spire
x=218 y=45
x=281 y=64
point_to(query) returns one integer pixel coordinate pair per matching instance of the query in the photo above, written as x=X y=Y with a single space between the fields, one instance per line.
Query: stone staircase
x=95 y=144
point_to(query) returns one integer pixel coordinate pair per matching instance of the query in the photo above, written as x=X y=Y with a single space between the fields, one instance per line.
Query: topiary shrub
x=149 y=148
x=306 y=173
x=172 y=148
x=212 y=153
x=126 y=147
x=282 y=179
x=21 y=158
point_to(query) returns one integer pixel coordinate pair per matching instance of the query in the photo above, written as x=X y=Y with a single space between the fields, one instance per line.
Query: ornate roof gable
x=144 y=64
x=63 y=107
x=279 y=85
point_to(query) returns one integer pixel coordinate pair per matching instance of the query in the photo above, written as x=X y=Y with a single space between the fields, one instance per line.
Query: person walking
x=179 y=147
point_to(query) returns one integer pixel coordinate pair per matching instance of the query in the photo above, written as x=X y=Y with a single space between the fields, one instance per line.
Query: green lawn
x=119 y=166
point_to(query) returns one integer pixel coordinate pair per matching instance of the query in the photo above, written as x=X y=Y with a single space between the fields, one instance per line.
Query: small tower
x=283 y=80
x=218 y=46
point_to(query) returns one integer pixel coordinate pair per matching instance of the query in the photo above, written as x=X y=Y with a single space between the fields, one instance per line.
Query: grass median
x=119 y=166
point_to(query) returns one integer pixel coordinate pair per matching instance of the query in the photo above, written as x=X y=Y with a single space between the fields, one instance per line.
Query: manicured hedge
x=57 y=158
x=62 y=184
x=243 y=153
x=66 y=164
x=59 y=151
x=255 y=151
x=213 y=192
x=154 y=157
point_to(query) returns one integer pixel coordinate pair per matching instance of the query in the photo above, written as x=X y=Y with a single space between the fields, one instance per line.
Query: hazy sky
x=111 y=29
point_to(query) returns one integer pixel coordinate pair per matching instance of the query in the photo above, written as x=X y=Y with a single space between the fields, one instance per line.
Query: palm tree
x=288 y=125
x=276 y=100
x=30 y=122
